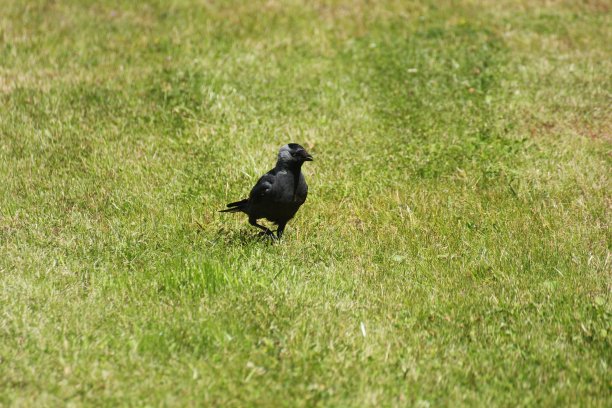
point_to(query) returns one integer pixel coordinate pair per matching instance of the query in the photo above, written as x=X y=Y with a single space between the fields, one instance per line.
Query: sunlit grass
x=454 y=248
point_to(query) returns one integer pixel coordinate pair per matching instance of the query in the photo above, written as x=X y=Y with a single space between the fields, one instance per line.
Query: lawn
x=454 y=250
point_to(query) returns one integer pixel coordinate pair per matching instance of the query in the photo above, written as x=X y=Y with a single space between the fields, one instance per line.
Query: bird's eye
x=292 y=154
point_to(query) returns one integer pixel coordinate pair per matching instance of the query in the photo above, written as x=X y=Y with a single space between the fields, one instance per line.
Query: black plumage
x=279 y=193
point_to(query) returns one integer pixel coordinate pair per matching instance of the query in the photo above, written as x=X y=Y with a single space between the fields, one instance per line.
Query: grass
x=454 y=249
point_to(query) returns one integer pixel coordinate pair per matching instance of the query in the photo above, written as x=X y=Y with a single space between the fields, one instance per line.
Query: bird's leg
x=266 y=231
x=280 y=230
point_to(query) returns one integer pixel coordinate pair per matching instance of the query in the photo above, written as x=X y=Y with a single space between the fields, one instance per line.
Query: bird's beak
x=308 y=157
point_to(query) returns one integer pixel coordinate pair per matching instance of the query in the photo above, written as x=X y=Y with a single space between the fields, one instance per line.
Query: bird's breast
x=299 y=198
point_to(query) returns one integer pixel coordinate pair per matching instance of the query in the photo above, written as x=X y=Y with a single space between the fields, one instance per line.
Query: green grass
x=459 y=209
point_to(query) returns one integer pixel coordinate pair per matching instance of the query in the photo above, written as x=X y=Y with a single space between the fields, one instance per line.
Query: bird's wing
x=263 y=188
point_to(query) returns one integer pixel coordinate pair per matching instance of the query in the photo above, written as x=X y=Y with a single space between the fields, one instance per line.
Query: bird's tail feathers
x=237 y=206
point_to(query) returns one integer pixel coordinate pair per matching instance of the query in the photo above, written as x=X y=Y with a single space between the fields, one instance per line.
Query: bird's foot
x=268 y=234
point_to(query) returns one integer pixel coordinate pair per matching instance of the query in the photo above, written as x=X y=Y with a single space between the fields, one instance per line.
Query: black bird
x=279 y=193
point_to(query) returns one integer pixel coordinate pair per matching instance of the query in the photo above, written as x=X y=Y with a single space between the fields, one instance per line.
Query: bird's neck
x=293 y=167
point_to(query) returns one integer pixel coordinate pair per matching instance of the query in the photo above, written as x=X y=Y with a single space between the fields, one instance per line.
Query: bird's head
x=293 y=154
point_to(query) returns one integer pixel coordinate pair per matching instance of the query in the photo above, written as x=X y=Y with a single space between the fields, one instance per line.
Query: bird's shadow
x=225 y=235
x=244 y=237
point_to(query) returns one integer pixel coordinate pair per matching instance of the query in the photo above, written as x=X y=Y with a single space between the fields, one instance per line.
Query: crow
x=279 y=193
